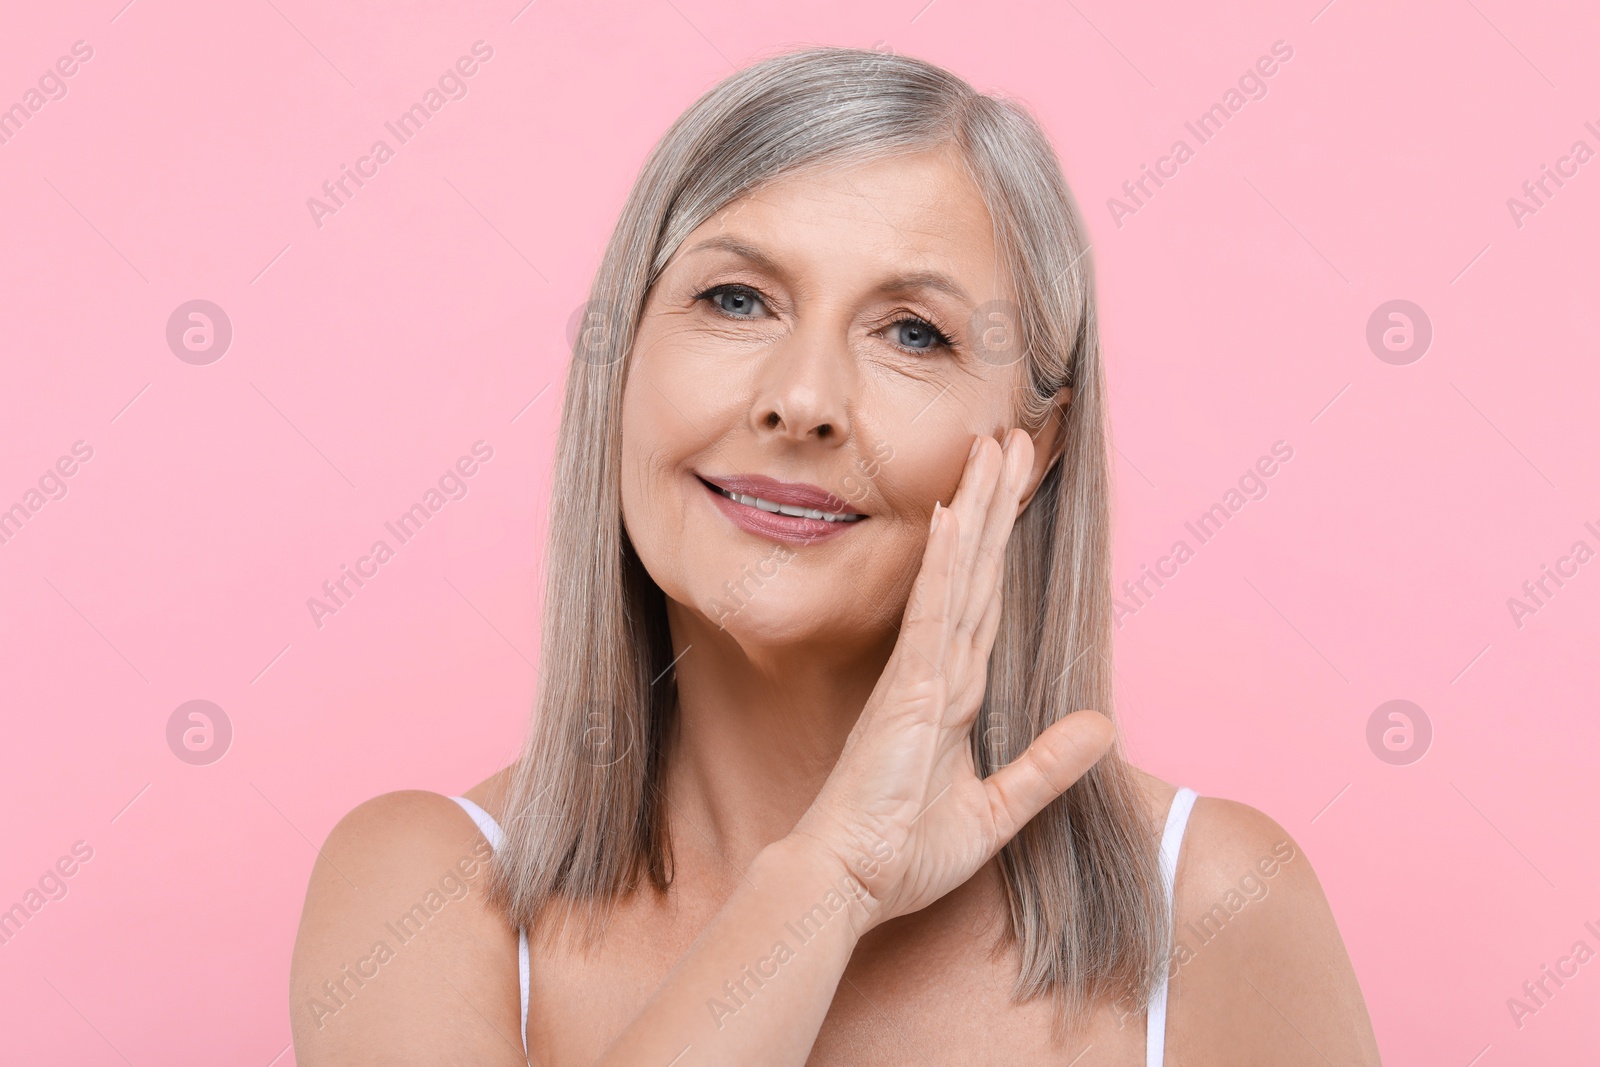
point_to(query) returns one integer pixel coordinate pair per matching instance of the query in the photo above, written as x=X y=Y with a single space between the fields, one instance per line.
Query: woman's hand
x=904 y=809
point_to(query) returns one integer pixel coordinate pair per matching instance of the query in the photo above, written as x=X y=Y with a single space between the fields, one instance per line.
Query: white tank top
x=1155 y=1021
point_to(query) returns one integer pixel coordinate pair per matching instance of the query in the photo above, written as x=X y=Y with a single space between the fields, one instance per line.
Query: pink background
x=430 y=312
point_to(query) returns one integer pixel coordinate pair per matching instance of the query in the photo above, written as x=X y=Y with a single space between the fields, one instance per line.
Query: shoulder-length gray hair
x=585 y=806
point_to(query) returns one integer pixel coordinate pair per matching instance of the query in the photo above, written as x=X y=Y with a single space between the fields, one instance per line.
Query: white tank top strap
x=497 y=837
x=1155 y=1046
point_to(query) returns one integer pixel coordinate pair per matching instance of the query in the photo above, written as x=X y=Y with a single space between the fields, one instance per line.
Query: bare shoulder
x=399 y=958
x=1260 y=973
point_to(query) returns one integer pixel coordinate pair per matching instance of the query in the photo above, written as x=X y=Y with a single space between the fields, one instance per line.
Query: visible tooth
x=786 y=509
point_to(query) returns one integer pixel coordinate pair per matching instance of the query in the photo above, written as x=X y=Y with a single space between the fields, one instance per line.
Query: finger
x=972 y=501
x=925 y=628
x=1057 y=758
x=976 y=660
x=983 y=639
x=989 y=560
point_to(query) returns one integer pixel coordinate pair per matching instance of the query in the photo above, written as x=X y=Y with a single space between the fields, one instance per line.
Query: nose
x=803 y=388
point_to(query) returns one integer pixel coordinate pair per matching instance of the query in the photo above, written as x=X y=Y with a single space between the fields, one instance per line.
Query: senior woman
x=823 y=767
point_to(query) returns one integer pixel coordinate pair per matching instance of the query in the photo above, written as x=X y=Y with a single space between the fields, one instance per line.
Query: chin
x=775 y=620
x=757 y=623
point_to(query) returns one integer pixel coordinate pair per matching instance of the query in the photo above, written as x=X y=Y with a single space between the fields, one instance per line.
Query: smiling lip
x=794 y=529
x=795 y=494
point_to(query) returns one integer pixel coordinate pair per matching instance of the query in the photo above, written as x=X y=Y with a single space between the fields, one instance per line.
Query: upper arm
x=398 y=959
x=1261 y=972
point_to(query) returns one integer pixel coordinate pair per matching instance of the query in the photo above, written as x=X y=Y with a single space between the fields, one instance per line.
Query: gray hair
x=586 y=812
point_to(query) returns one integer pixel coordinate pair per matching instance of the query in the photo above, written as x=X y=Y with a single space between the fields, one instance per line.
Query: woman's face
x=814 y=345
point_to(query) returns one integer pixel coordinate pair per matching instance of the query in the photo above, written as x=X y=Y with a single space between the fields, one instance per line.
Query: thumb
x=1057 y=758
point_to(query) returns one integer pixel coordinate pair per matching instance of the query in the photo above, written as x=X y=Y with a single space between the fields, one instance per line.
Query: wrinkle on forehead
x=923 y=205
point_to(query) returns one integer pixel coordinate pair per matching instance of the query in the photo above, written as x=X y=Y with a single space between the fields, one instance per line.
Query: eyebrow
x=922 y=279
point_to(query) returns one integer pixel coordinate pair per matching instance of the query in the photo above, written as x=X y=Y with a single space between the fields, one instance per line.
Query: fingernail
x=938 y=512
x=973 y=451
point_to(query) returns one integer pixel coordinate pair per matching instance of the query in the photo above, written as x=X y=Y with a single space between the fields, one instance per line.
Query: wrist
x=818 y=876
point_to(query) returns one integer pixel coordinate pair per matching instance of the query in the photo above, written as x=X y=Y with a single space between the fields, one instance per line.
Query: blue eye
x=919 y=335
x=734 y=300
x=912 y=332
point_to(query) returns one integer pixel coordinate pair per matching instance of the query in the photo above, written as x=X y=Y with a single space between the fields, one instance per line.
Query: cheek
x=666 y=418
x=647 y=448
x=914 y=463
x=906 y=469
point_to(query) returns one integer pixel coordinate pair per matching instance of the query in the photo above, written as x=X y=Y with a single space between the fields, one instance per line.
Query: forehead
x=903 y=215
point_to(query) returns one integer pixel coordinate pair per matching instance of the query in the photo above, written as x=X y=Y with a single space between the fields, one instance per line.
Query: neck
x=758 y=729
